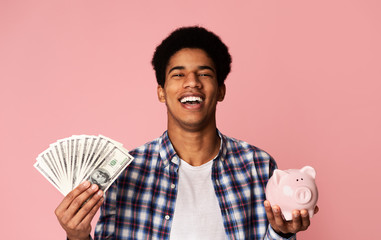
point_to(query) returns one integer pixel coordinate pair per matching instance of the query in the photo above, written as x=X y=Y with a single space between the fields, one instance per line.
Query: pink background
x=305 y=86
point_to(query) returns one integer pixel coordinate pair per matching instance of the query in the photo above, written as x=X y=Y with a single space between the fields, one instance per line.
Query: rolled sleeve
x=272 y=235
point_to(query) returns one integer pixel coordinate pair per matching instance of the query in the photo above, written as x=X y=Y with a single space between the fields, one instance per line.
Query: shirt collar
x=223 y=148
x=168 y=153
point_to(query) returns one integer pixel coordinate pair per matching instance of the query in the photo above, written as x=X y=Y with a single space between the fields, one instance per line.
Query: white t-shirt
x=197 y=213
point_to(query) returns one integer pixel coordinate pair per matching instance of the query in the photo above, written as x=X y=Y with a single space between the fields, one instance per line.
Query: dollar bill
x=70 y=161
x=109 y=168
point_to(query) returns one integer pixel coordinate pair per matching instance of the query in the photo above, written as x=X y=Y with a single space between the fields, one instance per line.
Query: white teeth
x=191 y=99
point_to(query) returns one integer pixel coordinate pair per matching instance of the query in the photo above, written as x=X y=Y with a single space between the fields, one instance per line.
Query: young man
x=193 y=182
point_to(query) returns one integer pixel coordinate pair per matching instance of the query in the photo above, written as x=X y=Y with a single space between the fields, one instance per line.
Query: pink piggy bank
x=293 y=189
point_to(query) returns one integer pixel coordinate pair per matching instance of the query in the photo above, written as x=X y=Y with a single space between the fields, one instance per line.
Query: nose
x=192 y=81
x=303 y=195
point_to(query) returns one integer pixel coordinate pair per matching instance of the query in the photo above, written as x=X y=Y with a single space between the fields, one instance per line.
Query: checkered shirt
x=141 y=202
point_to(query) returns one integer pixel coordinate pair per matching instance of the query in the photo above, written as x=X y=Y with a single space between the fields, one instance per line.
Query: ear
x=309 y=171
x=221 y=92
x=160 y=94
x=277 y=175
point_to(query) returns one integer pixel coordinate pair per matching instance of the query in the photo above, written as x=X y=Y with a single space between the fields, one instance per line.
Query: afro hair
x=192 y=37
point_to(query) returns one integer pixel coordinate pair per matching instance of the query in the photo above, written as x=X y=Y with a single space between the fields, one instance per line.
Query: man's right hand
x=77 y=210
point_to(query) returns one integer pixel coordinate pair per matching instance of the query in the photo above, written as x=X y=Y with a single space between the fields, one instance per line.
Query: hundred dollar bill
x=107 y=170
x=46 y=171
x=87 y=146
x=70 y=161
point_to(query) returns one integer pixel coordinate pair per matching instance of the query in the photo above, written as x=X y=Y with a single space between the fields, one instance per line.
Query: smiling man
x=193 y=182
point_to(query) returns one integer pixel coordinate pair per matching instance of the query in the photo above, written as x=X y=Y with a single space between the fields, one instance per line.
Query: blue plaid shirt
x=141 y=202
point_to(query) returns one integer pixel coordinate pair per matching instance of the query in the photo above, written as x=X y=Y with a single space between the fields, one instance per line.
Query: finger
x=296 y=221
x=89 y=217
x=81 y=200
x=269 y=212
x=316 y=210
x=64 y=205
x=305 y=219
x=87 y=207
x=279 y=221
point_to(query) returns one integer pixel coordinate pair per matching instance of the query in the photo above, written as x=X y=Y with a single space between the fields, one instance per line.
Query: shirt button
x=167 y=217
x=175 y=160
x=173 y=185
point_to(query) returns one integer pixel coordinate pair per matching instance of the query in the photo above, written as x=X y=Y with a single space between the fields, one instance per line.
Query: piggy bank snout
x=303 y=195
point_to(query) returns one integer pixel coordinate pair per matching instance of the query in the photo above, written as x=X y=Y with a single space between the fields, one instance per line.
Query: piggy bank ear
x=309 y=171
x=277 y=175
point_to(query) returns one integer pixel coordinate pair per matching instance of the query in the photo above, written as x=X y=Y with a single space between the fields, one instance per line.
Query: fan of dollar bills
x=70 y=161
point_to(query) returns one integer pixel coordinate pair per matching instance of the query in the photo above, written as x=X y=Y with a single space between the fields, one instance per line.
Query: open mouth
x=191 y=100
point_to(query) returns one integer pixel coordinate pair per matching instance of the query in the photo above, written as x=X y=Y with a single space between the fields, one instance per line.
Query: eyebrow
x=206 y=67
x=176 y=68
x=200 y=68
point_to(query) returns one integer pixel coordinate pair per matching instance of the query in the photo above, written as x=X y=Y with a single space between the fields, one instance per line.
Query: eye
x=177 y=75
x=205 y=73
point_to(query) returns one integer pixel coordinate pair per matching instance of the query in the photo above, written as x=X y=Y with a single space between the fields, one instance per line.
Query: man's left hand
x=300 y=219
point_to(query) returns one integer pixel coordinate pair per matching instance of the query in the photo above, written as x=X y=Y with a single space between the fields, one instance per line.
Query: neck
x=195 y=147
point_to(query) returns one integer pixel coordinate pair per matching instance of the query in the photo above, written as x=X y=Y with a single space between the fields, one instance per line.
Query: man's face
x=191 y=91
x=99 y=177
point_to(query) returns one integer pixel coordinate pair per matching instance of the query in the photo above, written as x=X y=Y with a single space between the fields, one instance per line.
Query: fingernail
x=304 y=213
x=296 y=214
x=276 y=210
x=94 y=186
x=100 y=193
x=86 y=183
x=267 y=204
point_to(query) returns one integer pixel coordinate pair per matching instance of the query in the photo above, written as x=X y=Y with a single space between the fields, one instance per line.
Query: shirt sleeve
x=105 y=228
x=272 y=235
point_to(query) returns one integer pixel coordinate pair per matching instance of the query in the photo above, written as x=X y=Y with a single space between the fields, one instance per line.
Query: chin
x=194 y=125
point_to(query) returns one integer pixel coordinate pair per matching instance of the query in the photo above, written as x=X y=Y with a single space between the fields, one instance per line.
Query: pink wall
x=305 y=86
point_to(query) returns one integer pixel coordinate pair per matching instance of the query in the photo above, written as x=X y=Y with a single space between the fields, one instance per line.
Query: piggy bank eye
x=297 y=179
x=301 y=179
